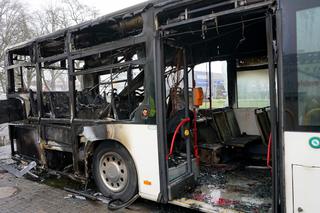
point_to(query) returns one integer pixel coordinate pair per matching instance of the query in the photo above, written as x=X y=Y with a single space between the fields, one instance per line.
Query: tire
x=114 y=171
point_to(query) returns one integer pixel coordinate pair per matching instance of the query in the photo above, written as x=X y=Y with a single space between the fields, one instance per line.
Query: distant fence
x=4 y=135
x=2 y=96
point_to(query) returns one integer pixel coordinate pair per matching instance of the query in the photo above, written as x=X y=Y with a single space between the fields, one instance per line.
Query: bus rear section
x=227 y=51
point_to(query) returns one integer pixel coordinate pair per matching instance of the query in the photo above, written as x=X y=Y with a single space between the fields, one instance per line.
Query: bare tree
x=77 y=13
x=62 y=14
x=14 y=28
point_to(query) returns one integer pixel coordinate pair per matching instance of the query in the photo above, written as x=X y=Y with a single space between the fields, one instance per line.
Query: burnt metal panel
x=11 y=110
x=59 y=134
x=27 y=141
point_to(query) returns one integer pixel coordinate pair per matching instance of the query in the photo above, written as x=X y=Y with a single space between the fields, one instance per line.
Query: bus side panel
x=141 y=142
x=302 y=160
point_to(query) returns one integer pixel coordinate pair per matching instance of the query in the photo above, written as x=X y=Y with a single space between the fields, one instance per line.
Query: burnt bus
x=206 y=104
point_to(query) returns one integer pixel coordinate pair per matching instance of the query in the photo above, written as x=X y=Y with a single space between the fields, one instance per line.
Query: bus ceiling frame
x=214 y=16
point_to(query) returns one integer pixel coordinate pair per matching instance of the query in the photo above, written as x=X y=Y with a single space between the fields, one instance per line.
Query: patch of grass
x=216 y=103
x=242 y=103
x=253 y=103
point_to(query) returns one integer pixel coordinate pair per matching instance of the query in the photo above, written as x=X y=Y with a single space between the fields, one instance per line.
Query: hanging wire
x=243 y=36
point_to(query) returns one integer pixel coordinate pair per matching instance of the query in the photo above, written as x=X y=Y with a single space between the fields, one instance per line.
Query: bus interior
x=228 y=58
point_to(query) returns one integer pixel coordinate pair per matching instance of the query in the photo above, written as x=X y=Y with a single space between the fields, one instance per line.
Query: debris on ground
x=237 y=188
x=225 y=185
x=75 y=197
x=12 y=169
x=84 y=194
x=176 y=160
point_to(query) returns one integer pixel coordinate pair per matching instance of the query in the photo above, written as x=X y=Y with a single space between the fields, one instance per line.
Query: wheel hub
x=113 y=171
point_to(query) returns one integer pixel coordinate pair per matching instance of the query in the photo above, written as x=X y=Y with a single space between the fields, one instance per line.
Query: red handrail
x=269 y=152
x=186 y=120
x=195 y=136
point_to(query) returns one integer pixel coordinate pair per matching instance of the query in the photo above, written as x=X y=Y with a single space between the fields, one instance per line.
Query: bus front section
x=300 y=120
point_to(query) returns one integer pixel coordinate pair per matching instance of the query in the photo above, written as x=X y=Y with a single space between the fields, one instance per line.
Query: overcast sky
x=103 y=6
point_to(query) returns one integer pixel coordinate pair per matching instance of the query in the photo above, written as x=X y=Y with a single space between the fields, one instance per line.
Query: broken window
x=25 y=79
x=55 y=87
x=24 y=73
x=110 y=84
x=52 y=47
x=215 y=91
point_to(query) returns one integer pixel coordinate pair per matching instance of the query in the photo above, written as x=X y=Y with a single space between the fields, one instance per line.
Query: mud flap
x=11 y=110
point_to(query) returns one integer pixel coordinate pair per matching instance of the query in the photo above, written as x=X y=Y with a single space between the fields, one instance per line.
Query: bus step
x=181 y=185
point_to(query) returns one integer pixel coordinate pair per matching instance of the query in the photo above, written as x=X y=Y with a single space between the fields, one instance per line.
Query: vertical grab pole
x=210 y=85
x=186 y=98
x=273 y=104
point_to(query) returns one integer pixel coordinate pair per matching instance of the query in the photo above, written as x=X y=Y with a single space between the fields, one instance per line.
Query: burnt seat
x=207 y=129
x=209 y=141
x=263 y=120
x=229 y=130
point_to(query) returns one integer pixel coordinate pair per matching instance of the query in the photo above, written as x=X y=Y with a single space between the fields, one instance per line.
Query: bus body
x=111 y=100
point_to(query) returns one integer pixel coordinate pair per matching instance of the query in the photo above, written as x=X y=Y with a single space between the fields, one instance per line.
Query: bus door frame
x=273 y=85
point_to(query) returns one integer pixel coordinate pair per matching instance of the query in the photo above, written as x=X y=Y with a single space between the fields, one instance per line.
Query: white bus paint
x=141 y=142
x=302 y=172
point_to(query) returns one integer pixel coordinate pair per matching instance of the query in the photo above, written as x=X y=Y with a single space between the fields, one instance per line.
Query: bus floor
x=236 y=188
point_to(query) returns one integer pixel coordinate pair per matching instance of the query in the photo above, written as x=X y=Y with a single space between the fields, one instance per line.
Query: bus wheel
x=114 y=171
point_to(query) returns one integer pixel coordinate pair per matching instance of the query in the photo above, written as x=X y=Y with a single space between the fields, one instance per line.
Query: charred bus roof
x=22 y=48
x=169 y=8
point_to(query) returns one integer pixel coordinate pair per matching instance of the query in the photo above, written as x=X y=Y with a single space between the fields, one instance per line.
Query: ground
x=35 y=197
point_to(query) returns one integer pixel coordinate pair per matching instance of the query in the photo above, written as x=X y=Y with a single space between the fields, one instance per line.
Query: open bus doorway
x=230 y=133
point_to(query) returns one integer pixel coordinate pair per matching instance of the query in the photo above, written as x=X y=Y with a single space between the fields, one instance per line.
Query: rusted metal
x=210 y=154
